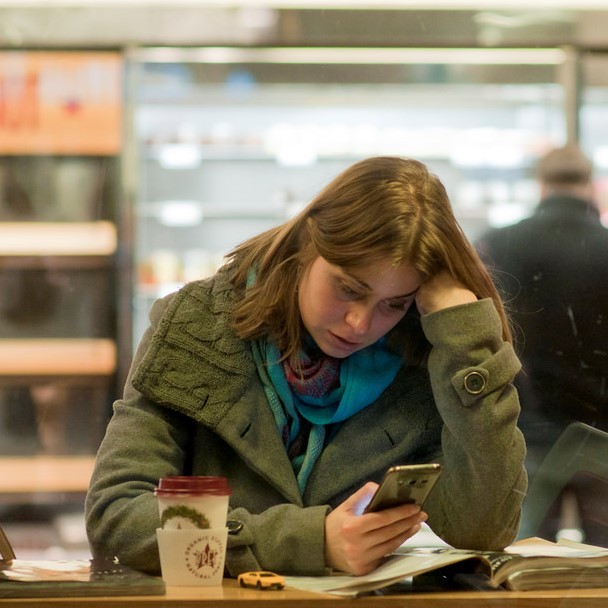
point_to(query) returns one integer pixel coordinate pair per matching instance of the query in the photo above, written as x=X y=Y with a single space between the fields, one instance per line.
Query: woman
x=361 y=334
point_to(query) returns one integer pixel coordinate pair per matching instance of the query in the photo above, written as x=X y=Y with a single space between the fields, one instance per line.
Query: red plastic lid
x=192 y=484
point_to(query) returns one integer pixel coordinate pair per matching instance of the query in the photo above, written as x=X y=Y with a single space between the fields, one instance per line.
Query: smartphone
x=405 y=484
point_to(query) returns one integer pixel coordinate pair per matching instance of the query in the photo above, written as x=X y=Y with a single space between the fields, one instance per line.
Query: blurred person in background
x=552 y=269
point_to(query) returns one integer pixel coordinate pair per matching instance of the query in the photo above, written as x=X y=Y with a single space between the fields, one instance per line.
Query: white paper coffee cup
x=190 y=502
x=192 y=557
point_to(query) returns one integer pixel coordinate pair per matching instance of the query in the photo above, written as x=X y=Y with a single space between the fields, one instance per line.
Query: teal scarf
x=364 y=375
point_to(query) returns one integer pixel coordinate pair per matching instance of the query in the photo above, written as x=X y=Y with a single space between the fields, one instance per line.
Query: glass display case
x=224 y=149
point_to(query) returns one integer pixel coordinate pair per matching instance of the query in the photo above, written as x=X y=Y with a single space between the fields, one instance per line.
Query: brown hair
x=377 y=209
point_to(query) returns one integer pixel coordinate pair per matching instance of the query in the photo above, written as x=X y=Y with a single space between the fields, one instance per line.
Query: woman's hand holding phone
x=356 y=543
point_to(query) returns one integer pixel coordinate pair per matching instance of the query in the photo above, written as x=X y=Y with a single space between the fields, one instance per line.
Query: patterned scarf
x=328 y=392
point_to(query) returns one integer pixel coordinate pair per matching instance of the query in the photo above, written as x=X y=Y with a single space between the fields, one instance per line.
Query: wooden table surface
x=230 y=595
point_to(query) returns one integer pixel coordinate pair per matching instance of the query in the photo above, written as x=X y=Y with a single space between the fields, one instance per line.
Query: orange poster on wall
x=60 y=103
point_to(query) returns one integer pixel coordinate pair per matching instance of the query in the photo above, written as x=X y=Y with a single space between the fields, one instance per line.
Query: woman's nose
x=359 y=318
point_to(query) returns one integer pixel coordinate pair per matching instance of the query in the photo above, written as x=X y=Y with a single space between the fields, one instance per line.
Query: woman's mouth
x=342 y=343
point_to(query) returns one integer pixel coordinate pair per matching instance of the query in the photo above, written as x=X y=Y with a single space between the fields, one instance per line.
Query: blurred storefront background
x=140 y=141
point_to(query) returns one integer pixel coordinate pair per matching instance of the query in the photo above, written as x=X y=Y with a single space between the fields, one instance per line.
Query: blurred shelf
x=57 y=238
x=196 y=153
x=199 y=211
x=193 y=155
x=45 y=474
x=55 y=262
x=57 y=357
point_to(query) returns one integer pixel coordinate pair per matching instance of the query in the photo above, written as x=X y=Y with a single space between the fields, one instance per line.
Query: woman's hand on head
x=442 y=291
x=356 y=543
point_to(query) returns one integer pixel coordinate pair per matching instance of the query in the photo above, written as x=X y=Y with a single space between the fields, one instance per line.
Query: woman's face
x=346 y=312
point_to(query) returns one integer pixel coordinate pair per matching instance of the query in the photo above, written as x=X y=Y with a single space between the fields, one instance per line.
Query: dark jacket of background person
x=553 y=271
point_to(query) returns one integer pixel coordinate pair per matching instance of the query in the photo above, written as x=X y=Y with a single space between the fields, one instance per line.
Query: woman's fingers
x=357 y=543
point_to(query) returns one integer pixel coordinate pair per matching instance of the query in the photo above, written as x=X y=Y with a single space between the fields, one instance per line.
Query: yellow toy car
x=261 y=579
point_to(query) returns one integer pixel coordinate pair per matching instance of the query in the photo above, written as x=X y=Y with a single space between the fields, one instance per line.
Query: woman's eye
x=346 y=291
x=397 y=305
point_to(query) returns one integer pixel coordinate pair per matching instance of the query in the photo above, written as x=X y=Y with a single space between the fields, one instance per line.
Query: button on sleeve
x=474 y=383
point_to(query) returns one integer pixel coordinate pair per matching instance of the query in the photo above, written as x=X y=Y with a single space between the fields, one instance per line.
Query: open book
x=74 y=578
x=528 y=564
x=70 y=578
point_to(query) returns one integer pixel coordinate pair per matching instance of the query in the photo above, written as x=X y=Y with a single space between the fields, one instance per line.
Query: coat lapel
x=369 y=451
x=249 y=428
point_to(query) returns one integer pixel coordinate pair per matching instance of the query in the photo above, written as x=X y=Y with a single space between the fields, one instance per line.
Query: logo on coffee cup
x=184 y=517
x=204 y=556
